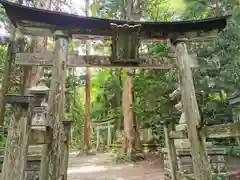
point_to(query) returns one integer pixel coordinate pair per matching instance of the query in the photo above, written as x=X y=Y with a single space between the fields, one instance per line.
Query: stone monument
x=216 y=156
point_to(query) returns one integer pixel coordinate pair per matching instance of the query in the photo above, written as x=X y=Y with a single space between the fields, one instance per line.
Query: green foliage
x=77 y=114
x=3 y=53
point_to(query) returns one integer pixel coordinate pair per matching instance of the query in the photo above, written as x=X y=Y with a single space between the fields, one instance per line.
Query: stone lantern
x=40 y=107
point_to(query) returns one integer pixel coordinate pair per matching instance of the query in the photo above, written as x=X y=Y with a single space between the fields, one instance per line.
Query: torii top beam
x=40 y=22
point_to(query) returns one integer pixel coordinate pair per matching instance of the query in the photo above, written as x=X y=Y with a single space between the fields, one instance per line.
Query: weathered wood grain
x=16 y=147
x=222 y=130
x=202 y=169
x=74 y=60
x=45 y=159
x=214 y=131
x=41 y=29
x=65 y=149
x=55 y=114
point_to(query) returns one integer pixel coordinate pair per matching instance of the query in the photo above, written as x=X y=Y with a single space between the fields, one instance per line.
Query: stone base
x=32 y=170
x=216 y=157
x=185 y=144
x=182 y=143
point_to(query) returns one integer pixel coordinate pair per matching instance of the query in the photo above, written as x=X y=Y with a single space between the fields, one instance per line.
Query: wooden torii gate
x=125 y=38
x=101 y=125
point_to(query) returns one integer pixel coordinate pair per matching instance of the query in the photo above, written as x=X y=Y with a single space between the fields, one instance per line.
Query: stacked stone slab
x=216 y=156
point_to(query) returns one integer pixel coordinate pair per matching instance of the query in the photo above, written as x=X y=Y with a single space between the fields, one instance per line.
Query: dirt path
x=100 y=167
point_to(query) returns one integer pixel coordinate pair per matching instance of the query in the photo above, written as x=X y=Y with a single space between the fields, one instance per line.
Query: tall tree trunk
x=130 y=123
x=118 y=94
x=87 y=118
x=128 y=115
x=137 y=143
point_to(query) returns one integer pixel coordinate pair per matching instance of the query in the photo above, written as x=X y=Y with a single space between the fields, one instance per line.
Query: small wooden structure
x=126 y=37
x=103 y=125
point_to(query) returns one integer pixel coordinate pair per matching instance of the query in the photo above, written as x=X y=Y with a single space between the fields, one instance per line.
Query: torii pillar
x=52 y=153
x=202 y=169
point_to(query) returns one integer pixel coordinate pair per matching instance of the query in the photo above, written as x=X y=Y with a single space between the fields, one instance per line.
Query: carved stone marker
x=39 y=117
x=32 y=170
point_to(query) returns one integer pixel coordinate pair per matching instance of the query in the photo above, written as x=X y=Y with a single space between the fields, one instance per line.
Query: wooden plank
x=222 y=130
x=39 y=137
x=16 y=147
x=104 y=126
x=44 y=166
x=74 y=60
x=202 y=36
x=97 y=123
x=202 y=169
x=214 y=131
x=40 y=29
x=65 y=149
x=109 y=136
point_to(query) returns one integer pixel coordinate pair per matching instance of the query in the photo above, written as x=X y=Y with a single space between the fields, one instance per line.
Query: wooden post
x=202 y=169
x=66 y=144
x=55 y=113
x=44 y=166
x=109 y=135
x=171 y=149
x=98 y=137
x=87 y=118
x=16 y=148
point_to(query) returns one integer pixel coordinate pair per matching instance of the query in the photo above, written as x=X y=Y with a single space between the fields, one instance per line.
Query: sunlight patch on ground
x=86 y=169
x=90 y=169
x=74 y=153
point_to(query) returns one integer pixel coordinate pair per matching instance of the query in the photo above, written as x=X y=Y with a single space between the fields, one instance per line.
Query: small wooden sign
x=74 y=60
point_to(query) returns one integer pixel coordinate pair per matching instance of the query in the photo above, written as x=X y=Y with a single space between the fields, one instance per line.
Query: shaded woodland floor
x=101 y=167
x=233 y=166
